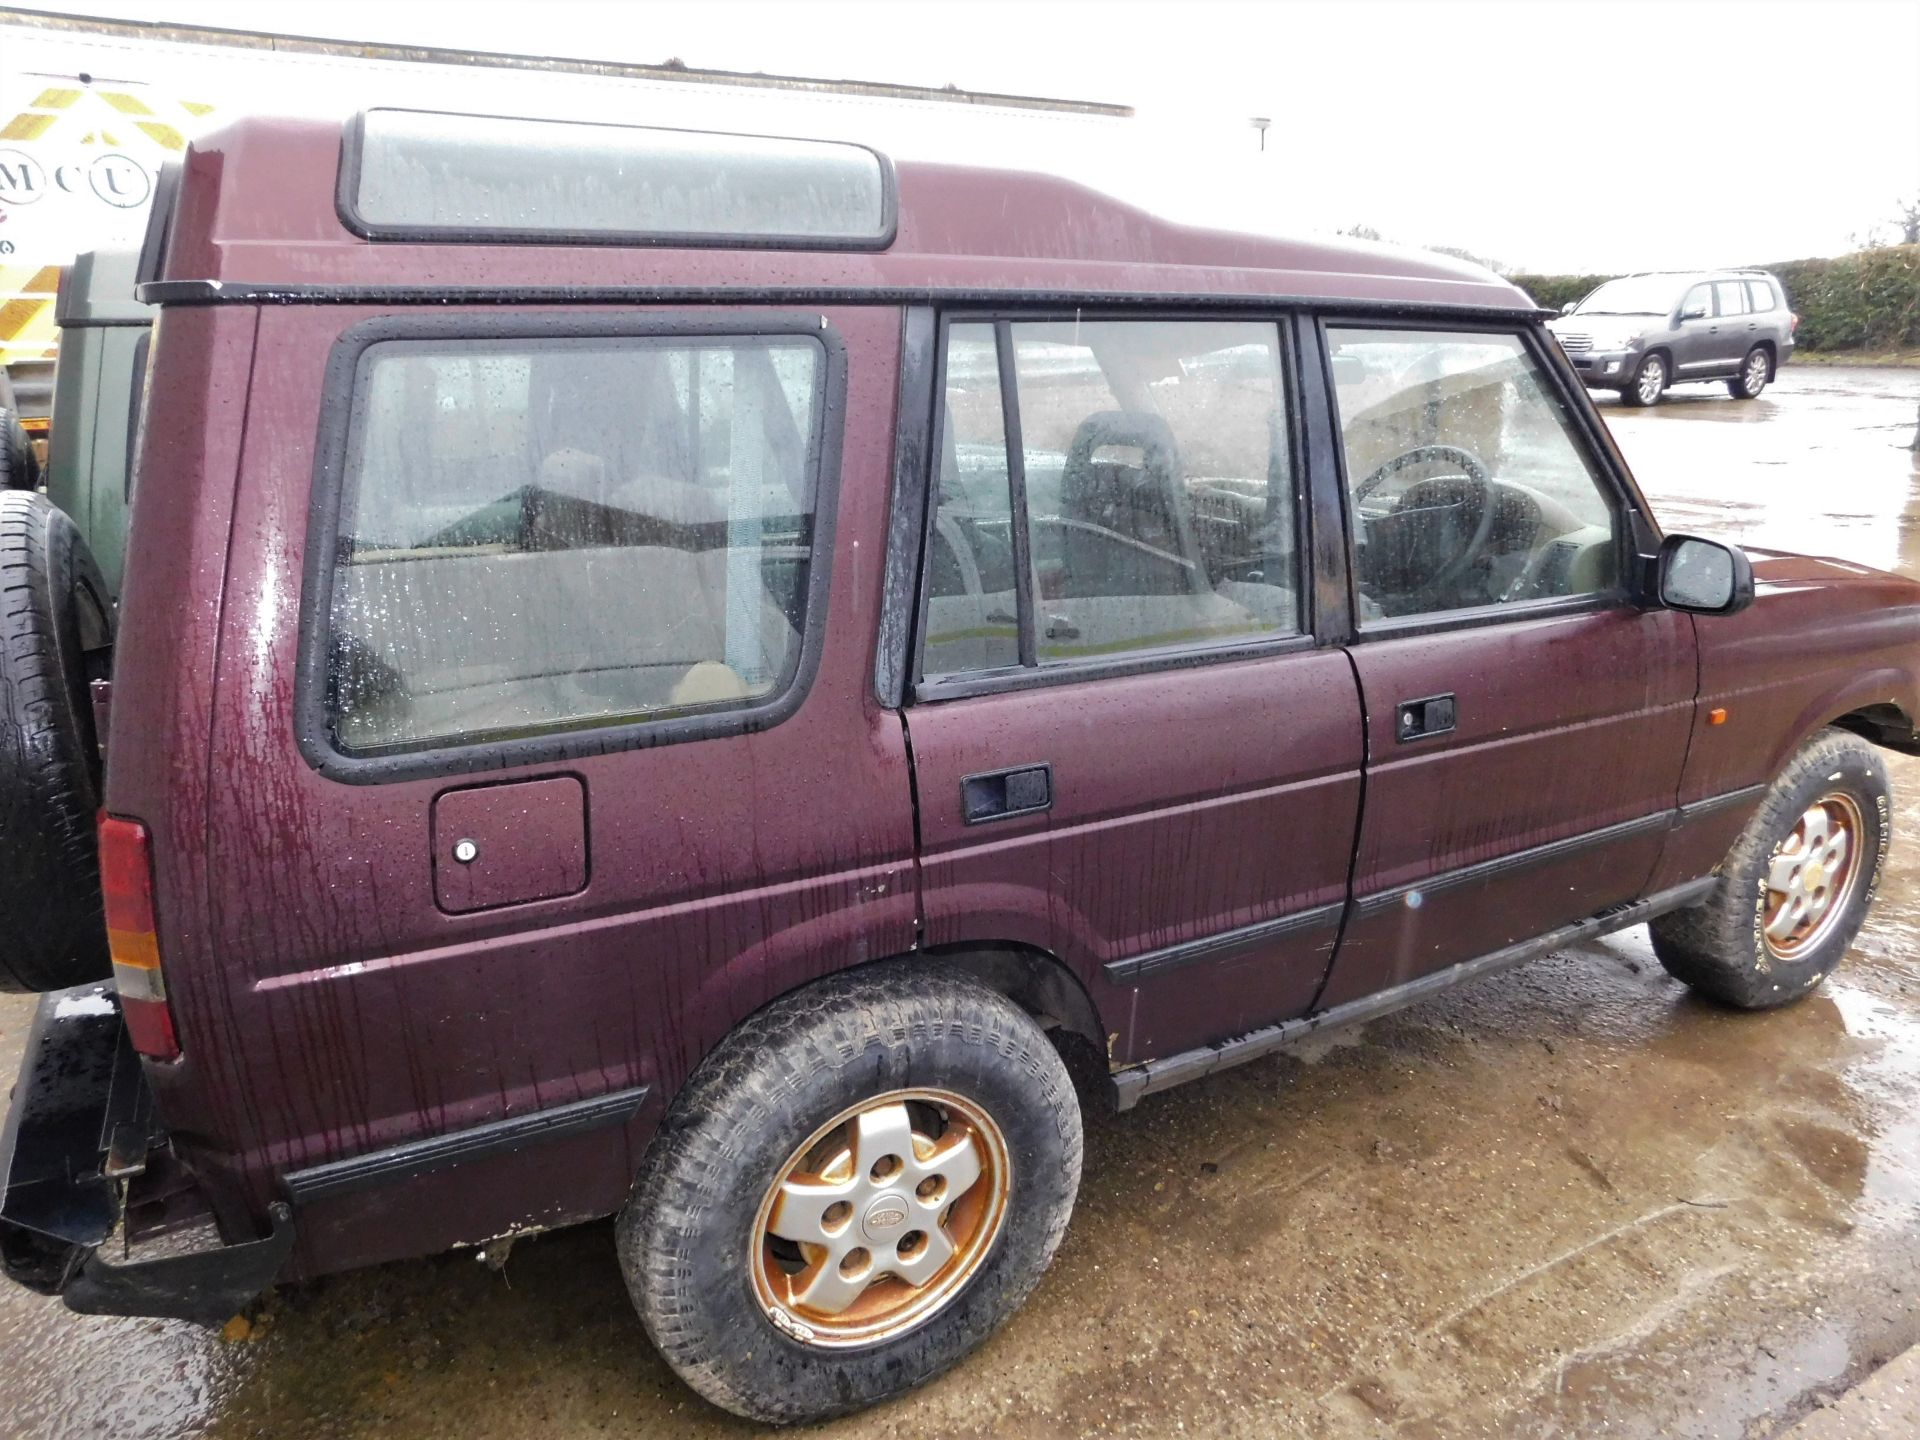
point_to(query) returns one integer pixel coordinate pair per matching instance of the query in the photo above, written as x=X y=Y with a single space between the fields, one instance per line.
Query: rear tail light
x=1793 y=323
x=126 y=882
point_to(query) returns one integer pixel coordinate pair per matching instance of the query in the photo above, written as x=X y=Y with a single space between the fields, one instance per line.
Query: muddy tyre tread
x=54 y=935
x=19 y=465
x=1715 y=947
x=761 y=1091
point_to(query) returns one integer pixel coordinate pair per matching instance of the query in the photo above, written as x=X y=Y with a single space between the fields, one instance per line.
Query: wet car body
x=385 y=1049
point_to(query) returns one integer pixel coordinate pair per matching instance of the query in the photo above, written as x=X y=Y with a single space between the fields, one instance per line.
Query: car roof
x=255 y=213
x=1694 y=276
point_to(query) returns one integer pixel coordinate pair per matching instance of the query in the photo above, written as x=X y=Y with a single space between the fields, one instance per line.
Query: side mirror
x=1703 y=577
x=1694 y=312
x=1567 y=309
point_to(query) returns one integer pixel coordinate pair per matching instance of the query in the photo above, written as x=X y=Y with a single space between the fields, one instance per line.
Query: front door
x=1128 y=750
x=1526 y=723
x=1698 y=341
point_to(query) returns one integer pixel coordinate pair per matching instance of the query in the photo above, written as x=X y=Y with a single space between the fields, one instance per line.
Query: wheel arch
x=1883 y=723
x=1037 y=981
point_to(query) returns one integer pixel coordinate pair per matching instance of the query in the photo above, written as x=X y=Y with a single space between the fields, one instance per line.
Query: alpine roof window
x=412 y=174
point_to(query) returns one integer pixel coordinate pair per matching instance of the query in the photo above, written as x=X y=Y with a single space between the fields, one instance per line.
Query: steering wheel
x=1474 y=471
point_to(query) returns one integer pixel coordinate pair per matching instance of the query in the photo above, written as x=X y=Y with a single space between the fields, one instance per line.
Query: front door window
x=1465 y=479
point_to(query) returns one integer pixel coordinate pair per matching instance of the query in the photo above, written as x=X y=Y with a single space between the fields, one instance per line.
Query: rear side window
x=1732 y=297
x=544 y=535
x=1760 y=293
x=1141 y=501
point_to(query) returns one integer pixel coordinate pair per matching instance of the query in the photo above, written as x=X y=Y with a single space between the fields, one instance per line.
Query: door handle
x=1003 y=794
x=1422 y=719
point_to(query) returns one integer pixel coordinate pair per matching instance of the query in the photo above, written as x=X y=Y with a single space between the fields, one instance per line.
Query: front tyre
x=856 y=1188
x=1755 y=371
x=1794 y=889
x=1649 y=381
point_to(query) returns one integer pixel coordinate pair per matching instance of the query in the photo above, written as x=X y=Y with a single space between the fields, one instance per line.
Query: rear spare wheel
x=56 y=632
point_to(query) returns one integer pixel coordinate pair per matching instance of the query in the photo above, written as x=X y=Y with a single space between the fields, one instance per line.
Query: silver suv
x=1641 y=333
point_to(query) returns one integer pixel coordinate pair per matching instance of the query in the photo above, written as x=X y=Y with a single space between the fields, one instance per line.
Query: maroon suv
x=724 y=682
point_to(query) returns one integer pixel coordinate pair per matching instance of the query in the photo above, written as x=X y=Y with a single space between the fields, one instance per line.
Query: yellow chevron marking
x=55 y=98
x=126 y=104
x=26 y=126
x=162 y=134
x=17 y=317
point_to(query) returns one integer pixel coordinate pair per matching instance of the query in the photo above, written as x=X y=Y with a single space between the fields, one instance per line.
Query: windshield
x=1634 y=295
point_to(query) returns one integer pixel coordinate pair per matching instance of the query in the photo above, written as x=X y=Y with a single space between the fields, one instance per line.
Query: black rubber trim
x=1009 y=678
x=256 y=292
x=1218 y=946
x=1694 y=809
x=159 y=231
x=907 y=510
x=498 y=1137
x=1135 y=1082
x=1485 y=870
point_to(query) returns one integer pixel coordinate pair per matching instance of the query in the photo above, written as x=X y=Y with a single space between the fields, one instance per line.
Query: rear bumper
x=79 y=1134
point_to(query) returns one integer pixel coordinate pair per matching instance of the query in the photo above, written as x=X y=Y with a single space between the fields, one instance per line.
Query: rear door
x=1526 y=723
x=1129 y=750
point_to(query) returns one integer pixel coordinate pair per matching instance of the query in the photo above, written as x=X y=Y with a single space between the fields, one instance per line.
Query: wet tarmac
x=1568 y=1201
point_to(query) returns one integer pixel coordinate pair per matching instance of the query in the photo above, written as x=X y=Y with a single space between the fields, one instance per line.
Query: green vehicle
x=104 y=334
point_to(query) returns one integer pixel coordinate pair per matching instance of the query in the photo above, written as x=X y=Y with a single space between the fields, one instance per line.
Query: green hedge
x=1869 y=300
x=1550 y=292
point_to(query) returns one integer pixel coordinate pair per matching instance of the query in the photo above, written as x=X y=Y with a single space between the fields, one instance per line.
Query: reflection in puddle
x=1890 y=1074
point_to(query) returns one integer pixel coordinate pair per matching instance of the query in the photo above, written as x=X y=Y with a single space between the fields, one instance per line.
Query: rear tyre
x=1755 y=371
x=856 y=1188
x=1649 y=381
x=1793 y=891
x=55 y=636
x=19 y=465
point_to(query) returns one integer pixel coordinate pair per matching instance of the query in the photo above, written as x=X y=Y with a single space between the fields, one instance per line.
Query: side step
x=1138 y=1081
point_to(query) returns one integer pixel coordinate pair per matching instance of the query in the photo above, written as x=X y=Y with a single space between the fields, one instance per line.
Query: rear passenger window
x=972 y=609
x=1760 y=293
x=545 y=535
x=1159 y=501
x=1732 y=295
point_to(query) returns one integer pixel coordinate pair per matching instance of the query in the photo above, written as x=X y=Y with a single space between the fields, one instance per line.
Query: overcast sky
x=1558 y=136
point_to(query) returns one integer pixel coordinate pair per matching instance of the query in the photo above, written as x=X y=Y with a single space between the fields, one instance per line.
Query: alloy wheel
x=1653 y=379
x=880 y=1218
x=1811 y=875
